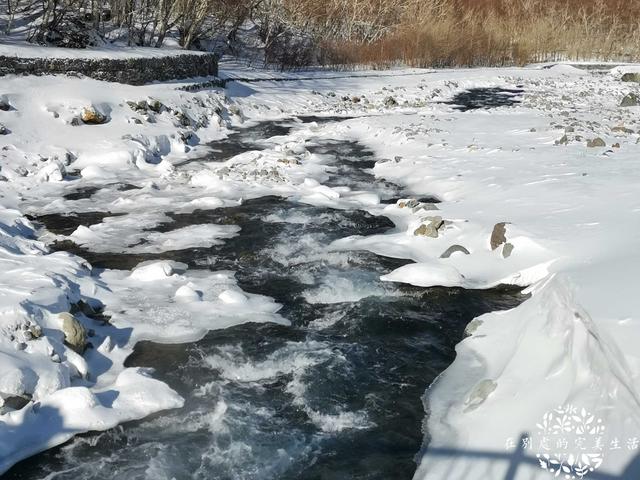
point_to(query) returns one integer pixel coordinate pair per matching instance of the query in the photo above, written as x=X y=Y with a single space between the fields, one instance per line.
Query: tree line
x=381 y=32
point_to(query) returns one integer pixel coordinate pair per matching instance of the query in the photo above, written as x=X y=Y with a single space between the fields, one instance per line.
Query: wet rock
x=390 y=102
x=4 y=130
x=454 y=249
x=74 y=333
x=91 y=116
x=631 y=77
x=498 y=235
x=630 y=100
x=430 y=229
x=596 y=143
x=5 y=106
x=507 y=250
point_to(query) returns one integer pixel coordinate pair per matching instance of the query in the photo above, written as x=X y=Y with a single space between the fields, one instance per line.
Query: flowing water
x=336 y=395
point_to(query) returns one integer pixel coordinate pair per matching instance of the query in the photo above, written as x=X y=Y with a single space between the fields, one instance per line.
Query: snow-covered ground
x=521 y=193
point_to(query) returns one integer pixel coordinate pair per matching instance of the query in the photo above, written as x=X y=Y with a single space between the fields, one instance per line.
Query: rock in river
x=74 y=333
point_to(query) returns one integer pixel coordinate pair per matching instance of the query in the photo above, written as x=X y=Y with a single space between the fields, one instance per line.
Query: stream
x=335 y=395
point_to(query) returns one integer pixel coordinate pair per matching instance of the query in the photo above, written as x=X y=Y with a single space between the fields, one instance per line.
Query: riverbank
x=520 y=191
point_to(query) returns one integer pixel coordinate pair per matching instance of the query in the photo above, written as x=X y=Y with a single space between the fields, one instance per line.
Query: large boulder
x=75 y=336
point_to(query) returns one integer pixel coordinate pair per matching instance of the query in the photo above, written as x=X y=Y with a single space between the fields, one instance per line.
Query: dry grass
x=439 y=33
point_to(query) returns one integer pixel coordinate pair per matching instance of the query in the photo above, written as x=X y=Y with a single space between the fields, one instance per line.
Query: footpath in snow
x=540 y=191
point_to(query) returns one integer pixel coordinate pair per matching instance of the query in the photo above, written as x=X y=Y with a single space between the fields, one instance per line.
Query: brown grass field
x=450 y=33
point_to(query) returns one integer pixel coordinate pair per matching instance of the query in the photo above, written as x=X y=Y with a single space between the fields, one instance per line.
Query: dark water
x=336 y=395
x=243 y=139
x=486 y=98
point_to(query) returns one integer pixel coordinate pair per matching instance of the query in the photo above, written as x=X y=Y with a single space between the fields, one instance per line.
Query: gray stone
x=454 y=249
x=563 y=140
x=430 y=228
x=631 y=77
x=498 y=235
x=596 y=143
x=507 y=250
x=630 y=100
x=74 y=333
x=4 y=130
x=4 y=105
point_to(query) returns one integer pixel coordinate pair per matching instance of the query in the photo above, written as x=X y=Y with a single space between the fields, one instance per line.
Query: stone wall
x=134 y=71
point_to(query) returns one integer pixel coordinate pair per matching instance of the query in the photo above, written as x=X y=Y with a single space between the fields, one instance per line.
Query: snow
x=571 y=216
